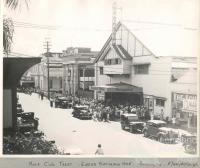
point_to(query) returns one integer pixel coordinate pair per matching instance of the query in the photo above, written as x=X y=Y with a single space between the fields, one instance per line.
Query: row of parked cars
x=158 y=130
x=26 y=121
x=79 y=111
x=153 y=128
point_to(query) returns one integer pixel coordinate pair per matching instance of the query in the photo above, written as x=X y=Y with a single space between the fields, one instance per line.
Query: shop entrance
x=124 y=98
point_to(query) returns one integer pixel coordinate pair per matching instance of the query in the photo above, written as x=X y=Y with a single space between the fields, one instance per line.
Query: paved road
x=82 y=136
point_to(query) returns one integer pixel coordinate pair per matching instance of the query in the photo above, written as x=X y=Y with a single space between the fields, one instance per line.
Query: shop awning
x=118 y=87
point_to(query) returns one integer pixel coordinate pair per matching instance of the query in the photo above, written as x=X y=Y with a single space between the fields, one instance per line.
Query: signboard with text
x=185 y=102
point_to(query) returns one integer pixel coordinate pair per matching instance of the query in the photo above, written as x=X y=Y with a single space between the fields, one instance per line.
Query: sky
x=88 y=23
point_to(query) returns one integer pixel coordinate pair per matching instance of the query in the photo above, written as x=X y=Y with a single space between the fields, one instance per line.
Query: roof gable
x=166 y=40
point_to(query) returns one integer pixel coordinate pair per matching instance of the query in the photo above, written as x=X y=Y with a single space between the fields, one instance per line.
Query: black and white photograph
x=100 y=78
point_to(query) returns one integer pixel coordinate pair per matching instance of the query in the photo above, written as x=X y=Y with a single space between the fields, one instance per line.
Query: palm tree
x=8 y=26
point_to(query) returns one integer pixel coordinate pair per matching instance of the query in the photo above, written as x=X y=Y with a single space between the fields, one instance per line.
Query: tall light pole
x=48 y=55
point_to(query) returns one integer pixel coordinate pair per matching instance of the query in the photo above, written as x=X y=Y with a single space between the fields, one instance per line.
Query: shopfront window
x=160 y=102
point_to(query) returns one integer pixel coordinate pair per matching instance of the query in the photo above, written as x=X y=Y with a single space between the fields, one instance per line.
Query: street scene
x=81 y=137
x=122 y=82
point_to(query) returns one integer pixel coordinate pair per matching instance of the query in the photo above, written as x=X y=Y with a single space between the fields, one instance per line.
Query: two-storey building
x=78 y=71
x=40 y=73
x=141 y=66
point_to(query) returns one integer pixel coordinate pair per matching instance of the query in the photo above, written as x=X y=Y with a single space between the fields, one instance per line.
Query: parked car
x=27 y=122
x=81 y=112
x=189 y=143
x=158 y=129
x=62 y=102
x=131 y=122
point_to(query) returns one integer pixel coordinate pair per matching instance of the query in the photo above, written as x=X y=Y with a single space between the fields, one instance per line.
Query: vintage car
x=189 y=143
x=62 y=102
x=27 y=122
x=81 y=112
x=158 y=129
x=131 y=123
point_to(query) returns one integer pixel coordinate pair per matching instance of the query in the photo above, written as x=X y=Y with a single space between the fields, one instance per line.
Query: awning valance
x=118 y=87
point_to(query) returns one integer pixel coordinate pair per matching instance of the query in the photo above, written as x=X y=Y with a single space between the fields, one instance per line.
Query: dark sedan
x=81 y=112
x=62 y=102
x=158 y=129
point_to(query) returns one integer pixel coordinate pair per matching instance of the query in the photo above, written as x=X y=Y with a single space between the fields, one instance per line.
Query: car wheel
x=145 y=133
x=123 y=127
x=161 y=138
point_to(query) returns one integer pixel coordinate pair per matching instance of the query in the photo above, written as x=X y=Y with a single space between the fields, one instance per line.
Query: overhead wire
x=58 y=27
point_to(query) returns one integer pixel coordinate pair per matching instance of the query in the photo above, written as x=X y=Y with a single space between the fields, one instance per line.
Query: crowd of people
x=104 y=112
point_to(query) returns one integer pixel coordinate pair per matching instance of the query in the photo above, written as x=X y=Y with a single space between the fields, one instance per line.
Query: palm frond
x=13 y=4
x=8 y=30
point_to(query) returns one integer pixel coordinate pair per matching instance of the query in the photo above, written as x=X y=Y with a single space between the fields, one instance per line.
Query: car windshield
x=161 y=125
x=132 y=118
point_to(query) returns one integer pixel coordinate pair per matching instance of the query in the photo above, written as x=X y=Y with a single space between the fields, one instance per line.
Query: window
x=114 y=61
x=141 y=69
x=101 y=70
x=81 y=73
x=160 y=102
x=117 y=61
x=60 y=82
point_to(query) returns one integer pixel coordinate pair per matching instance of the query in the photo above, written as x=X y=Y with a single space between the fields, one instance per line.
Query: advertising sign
x=185 y=102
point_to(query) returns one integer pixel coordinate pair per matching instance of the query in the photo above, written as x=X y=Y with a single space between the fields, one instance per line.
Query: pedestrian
x=99 y=150
x=42 y=95
x=174 y=121
x=51 y=101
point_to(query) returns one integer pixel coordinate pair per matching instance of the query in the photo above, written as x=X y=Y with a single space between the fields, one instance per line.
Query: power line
x=58 y=27
x=161 y=23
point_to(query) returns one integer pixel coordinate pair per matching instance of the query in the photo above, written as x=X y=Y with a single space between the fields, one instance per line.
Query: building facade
x=40 y=73
x=144 y=61
x=78 y=71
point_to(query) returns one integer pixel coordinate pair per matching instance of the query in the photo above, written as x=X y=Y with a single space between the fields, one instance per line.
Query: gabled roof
x=106 y=44
x=119 y=50
x=161 y=40
x=165 y=40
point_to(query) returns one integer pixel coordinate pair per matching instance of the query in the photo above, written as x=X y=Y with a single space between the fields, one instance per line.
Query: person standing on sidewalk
x=99 y=150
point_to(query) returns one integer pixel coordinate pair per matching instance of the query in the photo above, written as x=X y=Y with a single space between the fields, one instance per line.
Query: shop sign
x=185 y=102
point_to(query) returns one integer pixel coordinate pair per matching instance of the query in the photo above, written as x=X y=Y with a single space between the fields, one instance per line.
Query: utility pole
x=47 y=47
x=114 y=20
